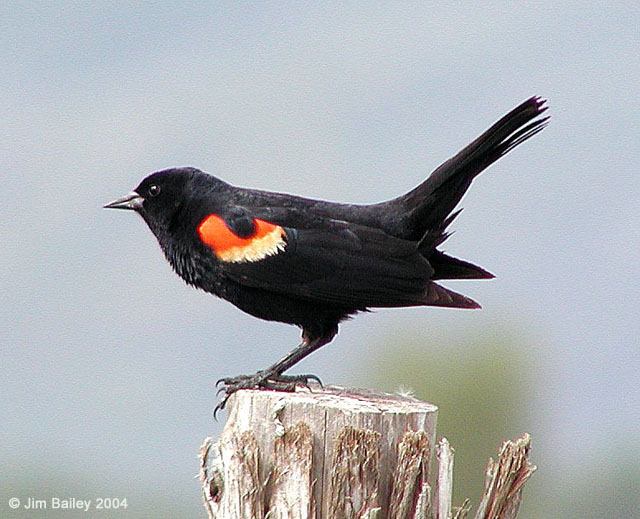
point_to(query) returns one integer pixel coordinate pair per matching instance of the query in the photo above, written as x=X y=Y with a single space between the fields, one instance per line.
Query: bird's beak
x=131 y=201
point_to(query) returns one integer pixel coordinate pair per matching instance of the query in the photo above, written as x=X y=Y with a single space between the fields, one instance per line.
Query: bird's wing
x=324 y=260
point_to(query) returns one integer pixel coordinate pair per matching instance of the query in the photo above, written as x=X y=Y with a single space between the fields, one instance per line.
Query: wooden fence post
x=338 y=453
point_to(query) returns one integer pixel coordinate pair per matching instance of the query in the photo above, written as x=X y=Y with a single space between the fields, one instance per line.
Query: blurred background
x=108 y=361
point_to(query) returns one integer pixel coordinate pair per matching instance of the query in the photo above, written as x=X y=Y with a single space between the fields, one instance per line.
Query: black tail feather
x=448 y=267
x=434 y=237
x=437 y=295
x=428 y=205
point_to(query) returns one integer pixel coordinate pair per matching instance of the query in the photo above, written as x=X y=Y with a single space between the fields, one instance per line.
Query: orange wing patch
x=268 y=239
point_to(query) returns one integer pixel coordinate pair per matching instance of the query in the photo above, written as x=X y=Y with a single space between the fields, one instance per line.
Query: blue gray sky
x=108 y=360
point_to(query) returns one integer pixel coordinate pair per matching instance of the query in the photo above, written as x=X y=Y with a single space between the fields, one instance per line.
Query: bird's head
x=161 y=195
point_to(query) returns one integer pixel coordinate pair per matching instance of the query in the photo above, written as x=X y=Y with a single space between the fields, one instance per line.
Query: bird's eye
x=154 y=190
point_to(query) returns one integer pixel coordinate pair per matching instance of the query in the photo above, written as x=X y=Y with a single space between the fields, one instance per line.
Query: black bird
x=313 y=263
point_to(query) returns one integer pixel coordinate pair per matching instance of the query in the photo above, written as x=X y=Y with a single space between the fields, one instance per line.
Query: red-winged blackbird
x=313 y=263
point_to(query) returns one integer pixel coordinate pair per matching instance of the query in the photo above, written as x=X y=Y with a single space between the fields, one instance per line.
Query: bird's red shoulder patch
x=268 y=239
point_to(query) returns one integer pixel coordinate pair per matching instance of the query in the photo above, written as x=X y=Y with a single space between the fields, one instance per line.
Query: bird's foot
x=261 y=380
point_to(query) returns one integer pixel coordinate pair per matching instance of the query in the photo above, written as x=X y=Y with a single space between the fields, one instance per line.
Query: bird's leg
x=272 y=377
x=307 y=347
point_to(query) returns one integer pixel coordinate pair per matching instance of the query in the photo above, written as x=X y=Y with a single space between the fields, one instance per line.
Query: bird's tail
x=426 y=210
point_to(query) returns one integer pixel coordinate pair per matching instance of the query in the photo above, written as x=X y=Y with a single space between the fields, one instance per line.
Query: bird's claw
x=300 y=379
x=260 y=380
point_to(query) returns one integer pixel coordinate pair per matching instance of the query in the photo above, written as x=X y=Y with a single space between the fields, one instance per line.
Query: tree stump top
x=329 y=452
x=333 y=397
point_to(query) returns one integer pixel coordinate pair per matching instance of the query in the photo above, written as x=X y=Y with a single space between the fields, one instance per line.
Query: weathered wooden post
x=338 y=453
